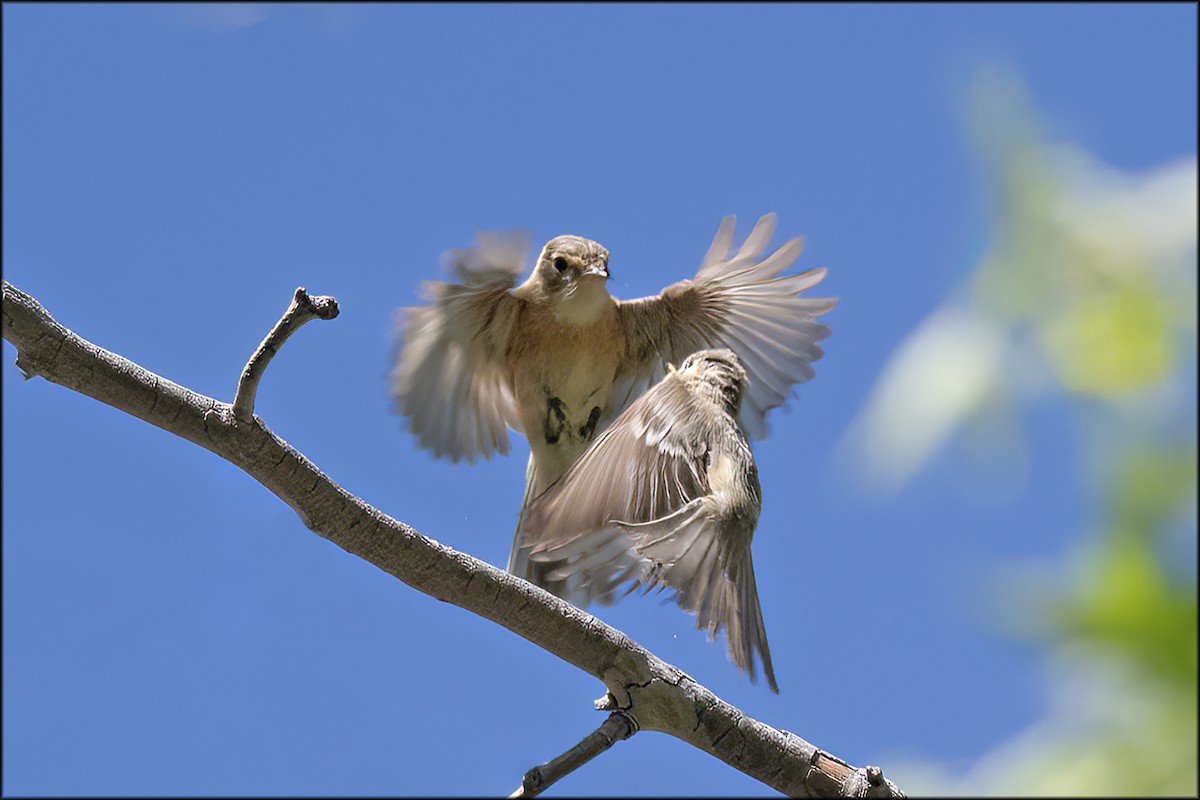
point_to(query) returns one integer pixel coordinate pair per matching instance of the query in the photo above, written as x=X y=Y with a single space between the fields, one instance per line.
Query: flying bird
x=558 y=358
x=666 y=497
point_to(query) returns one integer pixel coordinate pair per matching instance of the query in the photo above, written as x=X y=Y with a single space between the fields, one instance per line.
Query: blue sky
x=173 y=172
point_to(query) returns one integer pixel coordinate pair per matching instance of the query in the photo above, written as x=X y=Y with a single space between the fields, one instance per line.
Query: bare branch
x=655 y=695
x=302 y=309
x=617 y=726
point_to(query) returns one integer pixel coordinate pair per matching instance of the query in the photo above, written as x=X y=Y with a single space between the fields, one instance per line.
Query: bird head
x=572 y=272
x=569 y=261
x=721 y=370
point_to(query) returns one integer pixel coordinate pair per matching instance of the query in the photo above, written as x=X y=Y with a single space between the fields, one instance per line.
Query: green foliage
x=1090 y=280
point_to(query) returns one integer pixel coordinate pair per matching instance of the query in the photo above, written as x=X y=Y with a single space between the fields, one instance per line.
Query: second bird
x=666 y=497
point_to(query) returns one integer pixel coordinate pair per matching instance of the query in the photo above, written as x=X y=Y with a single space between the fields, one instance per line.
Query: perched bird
x=558 y=358
x=668 y=497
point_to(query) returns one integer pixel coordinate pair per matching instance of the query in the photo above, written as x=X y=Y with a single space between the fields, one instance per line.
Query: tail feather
x=711 y=578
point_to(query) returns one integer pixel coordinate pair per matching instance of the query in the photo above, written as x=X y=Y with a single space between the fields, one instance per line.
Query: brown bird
x=558 y=357
x=666 y=497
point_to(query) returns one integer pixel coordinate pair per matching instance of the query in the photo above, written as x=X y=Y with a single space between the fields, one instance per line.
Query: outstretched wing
x=448 y=378
x=738 y=301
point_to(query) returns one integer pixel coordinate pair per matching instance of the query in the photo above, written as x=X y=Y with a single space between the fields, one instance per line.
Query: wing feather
x=738 y=301
x=647 y=466
x=448 y=379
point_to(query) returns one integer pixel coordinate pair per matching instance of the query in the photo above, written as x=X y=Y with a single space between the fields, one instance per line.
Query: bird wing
x=448 y=379
x=648 y=464
x=738 y=301
x=638 y=508
x=712 y=575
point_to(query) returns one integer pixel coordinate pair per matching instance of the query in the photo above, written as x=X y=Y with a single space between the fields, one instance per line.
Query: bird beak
x=596 y=270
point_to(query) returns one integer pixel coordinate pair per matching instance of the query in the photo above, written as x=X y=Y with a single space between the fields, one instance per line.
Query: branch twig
x=653 y=694
x=616 y=727
x=302 y=309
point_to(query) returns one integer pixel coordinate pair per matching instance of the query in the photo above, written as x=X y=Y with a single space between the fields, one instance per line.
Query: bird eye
x=560 y=264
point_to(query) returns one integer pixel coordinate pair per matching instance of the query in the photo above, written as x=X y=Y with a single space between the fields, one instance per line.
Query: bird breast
x=562 y=375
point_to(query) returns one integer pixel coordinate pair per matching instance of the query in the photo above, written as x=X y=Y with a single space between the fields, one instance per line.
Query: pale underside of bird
x=558 y=358
x=666 y=497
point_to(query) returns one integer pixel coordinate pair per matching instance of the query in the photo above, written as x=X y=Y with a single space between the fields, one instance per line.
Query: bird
x=666 y=497
x=558 y=357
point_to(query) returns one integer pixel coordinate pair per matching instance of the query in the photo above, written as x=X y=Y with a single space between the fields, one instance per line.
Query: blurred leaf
x=1087 y=289
x=1156 y=485
x=941 y=375
x=1123 y=600
x=1110 y=341
x=1087 y=286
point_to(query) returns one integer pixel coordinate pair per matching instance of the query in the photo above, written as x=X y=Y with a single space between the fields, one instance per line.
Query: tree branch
x=302 y=309
x=655 y=695
x=617 y=726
